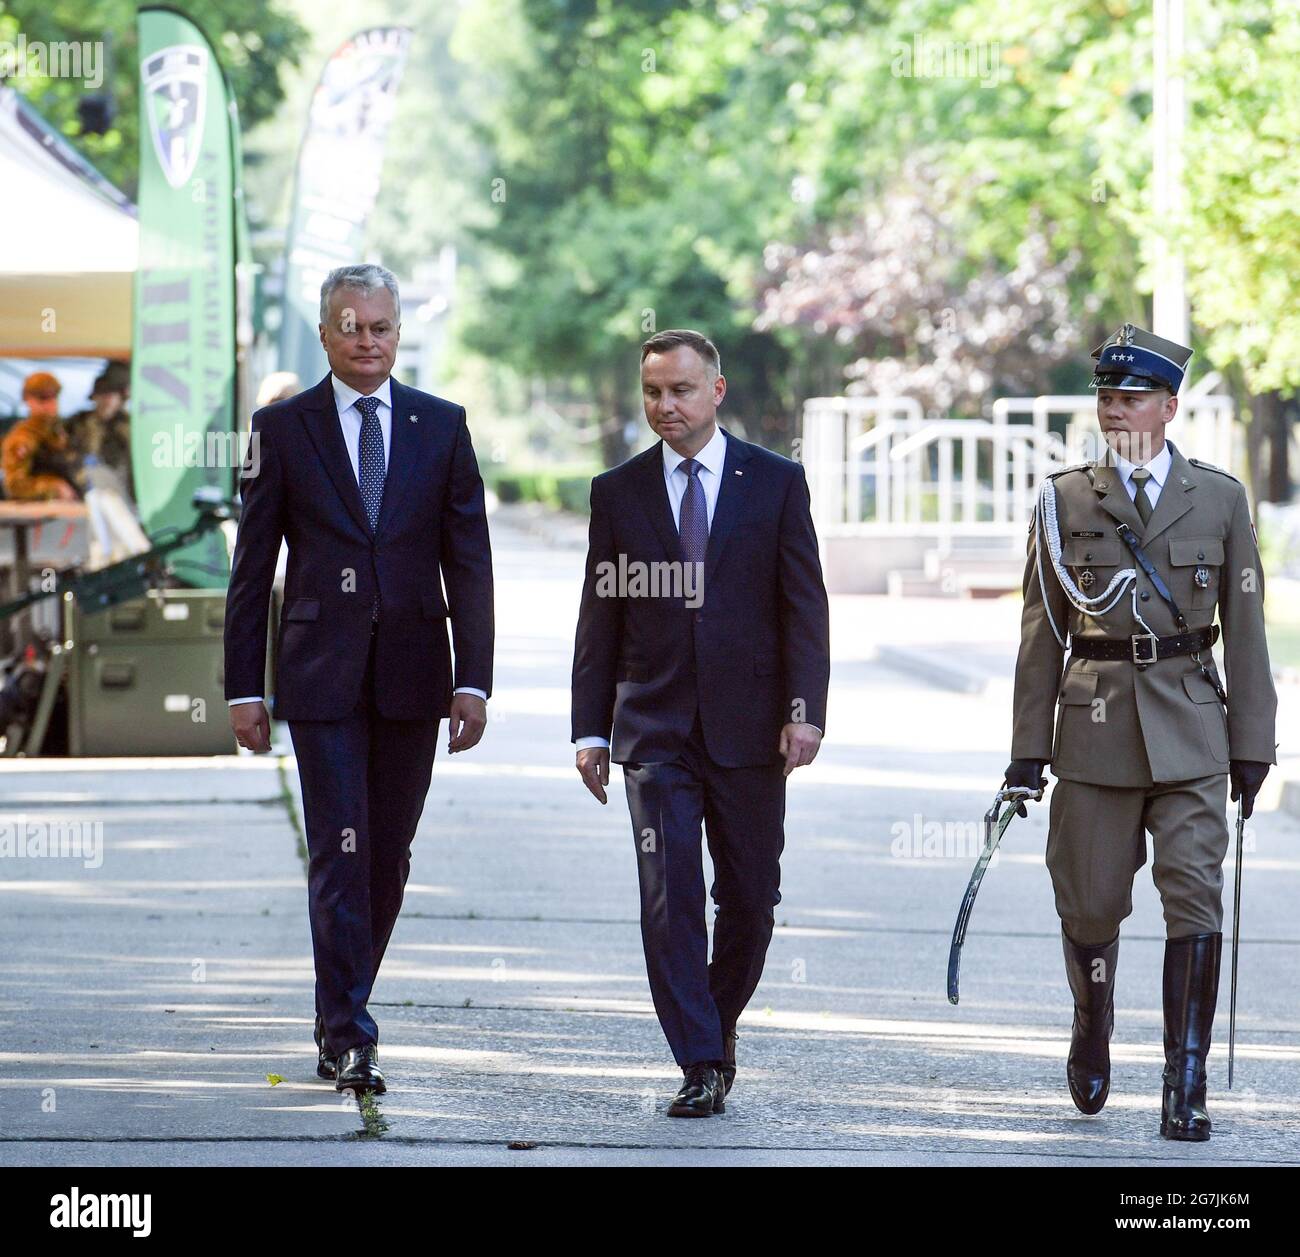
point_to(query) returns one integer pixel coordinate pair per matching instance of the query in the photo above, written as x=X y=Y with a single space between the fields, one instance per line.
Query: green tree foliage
x=1241 y=236
x=253 y=39
x=637 y=170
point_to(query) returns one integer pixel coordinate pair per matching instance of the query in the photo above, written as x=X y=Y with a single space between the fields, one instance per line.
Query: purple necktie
x=694 y=522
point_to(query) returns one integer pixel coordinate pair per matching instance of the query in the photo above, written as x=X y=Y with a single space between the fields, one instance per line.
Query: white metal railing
x=875 y=465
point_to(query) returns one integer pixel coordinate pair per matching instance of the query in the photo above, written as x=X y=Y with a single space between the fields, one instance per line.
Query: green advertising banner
x=183 y=369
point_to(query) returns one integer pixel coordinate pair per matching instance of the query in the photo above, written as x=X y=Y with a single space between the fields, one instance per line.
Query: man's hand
x=593 y=768
x=466 y=722
x=1247 y=775
x=1027 y=774
x=799 y=745
x=252 y=726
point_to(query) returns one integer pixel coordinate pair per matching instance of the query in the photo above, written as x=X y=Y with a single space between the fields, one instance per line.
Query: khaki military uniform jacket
x=1110 y=722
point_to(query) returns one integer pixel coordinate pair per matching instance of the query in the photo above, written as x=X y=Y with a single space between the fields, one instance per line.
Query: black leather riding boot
x=1191 y=991
x=1091 y=970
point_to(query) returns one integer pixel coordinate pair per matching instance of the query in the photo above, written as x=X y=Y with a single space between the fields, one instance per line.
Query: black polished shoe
x=1191 y=989
x=727 y=1066
x=702 y=1093
x=359 y=1070
x=327 y=1066
x=1091 y=971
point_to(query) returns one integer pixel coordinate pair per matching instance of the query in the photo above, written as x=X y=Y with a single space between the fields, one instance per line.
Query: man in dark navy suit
x=703 y=649
x=375 y=488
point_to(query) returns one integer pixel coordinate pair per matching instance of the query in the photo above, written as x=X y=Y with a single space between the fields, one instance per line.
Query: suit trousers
x=1096 y=843
x=364 y=780
x=742 y=811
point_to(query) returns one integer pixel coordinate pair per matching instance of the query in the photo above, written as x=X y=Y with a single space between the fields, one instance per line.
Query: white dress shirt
x=345 y=401
x=711 y=459
x=1158 y=467
x=350 y=418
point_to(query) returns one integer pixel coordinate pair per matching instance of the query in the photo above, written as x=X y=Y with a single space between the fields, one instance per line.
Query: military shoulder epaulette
x=1052 y=475
x=1204 y=466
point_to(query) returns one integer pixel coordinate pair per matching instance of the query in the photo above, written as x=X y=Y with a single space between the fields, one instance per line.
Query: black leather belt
x=1144 y=647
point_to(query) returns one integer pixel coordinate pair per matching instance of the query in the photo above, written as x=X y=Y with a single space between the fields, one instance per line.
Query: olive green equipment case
x=145 y=677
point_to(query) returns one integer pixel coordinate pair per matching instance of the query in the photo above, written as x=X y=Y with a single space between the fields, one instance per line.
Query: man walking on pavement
x=375 y=488
x=1130 y=556
x=713 y=692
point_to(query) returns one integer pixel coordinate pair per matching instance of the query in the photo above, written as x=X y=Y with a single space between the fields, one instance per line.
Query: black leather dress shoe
x=702 y=1093
x=327 y=1066
x=727 y=1067
x=359 y=1070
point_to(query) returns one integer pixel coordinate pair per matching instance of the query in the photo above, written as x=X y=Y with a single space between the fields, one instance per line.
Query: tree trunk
x=1251 y=410
x=1279 y=431
x=612 y=416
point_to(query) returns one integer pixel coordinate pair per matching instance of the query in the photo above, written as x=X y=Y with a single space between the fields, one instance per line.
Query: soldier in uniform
x=1135 y=726
x=100 y=436
x=35 y=455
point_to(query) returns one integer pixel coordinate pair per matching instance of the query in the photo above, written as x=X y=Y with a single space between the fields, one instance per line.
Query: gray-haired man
x=375 y=488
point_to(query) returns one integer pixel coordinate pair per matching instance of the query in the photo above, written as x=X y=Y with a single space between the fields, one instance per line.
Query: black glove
x=1028 y=775
x=1247 y=775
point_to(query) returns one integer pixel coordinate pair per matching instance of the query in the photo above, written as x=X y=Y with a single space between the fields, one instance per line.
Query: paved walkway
x=149 y=1005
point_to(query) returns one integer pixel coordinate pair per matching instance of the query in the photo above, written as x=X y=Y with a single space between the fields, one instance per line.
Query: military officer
x=1129 y=558
x=35 y=454
x=99 y=437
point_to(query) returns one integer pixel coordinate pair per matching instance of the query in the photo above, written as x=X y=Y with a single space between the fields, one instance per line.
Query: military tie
x=1140 y=477
x=693 y=524
x=371 y=467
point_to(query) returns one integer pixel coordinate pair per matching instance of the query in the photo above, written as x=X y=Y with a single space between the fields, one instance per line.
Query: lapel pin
x=413 y=418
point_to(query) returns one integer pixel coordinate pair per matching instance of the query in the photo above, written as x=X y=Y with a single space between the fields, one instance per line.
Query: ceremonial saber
x=1236 y=944
x=995 y=826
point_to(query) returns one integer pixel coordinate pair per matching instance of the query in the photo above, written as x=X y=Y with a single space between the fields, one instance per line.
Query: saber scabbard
x=1236 y=945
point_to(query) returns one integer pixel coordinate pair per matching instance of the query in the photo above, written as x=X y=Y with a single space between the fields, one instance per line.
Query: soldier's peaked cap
x=1136 y=360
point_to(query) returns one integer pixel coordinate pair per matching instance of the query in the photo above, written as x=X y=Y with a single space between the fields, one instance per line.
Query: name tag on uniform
x=1087 y=532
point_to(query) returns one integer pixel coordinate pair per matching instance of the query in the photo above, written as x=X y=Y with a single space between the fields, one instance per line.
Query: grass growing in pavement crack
x=372 y=1117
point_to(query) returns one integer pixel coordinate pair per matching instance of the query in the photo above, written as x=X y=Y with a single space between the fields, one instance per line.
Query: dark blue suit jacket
x=432 y=531
x=754 y=657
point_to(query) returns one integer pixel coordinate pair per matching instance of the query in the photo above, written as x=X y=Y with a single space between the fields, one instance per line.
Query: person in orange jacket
x=35 y=456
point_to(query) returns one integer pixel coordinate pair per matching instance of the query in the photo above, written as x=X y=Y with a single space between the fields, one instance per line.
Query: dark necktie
x=1140 y=477
x=371 y=468
x=693 y=524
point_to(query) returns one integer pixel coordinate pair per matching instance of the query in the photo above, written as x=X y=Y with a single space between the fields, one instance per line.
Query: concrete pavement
x=156 y=1009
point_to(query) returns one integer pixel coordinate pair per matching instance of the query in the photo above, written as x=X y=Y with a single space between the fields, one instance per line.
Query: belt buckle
x=1144 y=637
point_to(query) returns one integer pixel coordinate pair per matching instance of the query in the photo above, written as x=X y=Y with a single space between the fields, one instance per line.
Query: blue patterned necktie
x=694 y=522
x=371 y=468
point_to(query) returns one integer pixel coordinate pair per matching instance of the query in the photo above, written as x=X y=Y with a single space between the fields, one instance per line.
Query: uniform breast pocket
x=1092 y=561
x=1197 y=563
